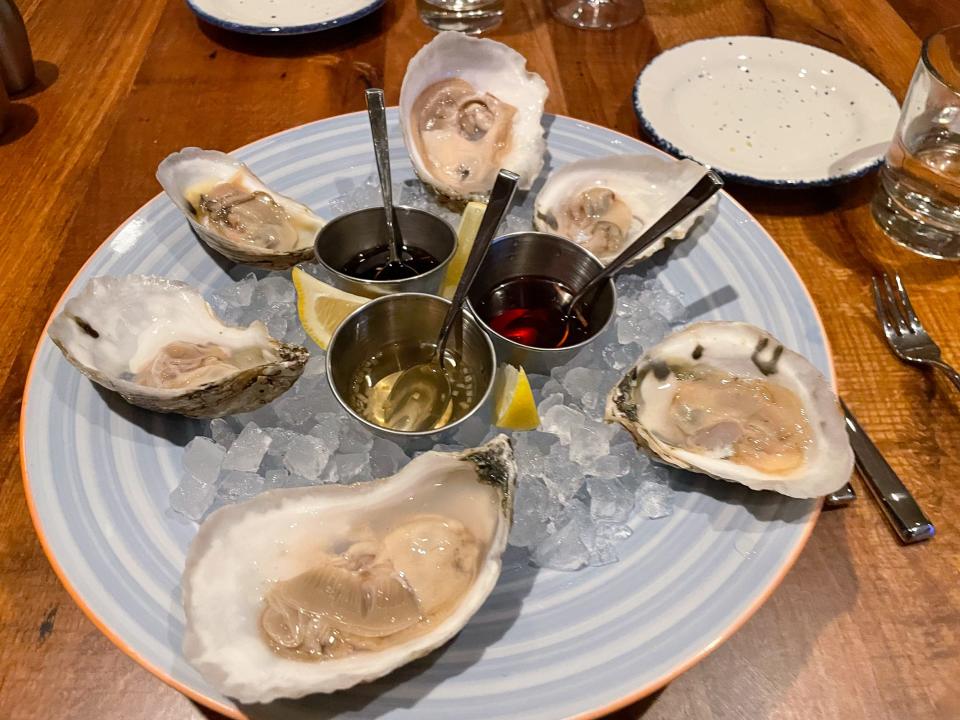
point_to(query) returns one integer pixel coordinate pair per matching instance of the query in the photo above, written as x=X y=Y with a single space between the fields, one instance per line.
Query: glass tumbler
x=467 y=16
x=597 y=14
x=918 y=201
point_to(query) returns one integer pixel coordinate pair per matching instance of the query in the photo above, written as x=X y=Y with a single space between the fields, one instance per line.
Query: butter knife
x=898 y=505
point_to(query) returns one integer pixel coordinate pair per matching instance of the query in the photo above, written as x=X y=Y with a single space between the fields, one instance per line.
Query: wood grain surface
x=861 y=628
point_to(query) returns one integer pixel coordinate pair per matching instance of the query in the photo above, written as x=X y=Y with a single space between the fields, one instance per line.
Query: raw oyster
x=729 y=400
x=468 y=108
x=605 y=203
x=317 y=589
x=157 y=343
x=234 y=213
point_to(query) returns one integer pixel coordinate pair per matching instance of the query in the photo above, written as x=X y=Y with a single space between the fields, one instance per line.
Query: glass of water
x=918 y=202
x=467 y=16
x=597 y=14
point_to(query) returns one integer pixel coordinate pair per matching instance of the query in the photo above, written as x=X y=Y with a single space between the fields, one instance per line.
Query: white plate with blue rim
x=765 y=111
x=547 y=644
x=281 y=17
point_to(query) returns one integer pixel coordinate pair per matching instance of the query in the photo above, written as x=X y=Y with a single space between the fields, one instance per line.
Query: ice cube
x=222 y=432
x=294 y=410
x=247 y=451
x=316 y=365
x=327 y=430
x=620 y=357
x=533 y=512
x=352 y=467
x=193 y=497
x=551 y=387
x=264 y=416
x=606 y=537
x=581 y=380
x=548 y=402
x=354 y=438
x=663 y=302
x=306 y=456
x=386 y=457
x=607 y=467
x=236 y=485
x=273 y=289
x=277 y=478
x=276 y=324
x=295 y=333
x=609 y=500
x=530 y=449
x=630 y=285
x=562 y=421
x=202 y=459
x=562 y=477
x=237 y=294
x=654 y=499
x=590 y=442
x=562 y=550
x=280 y=439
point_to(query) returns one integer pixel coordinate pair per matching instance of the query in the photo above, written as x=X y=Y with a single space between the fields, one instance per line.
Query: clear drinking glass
x=597 y=14
x=918 y=202
x=467 y=16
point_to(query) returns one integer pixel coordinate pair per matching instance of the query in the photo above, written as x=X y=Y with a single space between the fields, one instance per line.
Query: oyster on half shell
x=605 y=203
x=317 y=589
x=234 y=213
x=729 y=400
x=468 y=109
x=158 y=343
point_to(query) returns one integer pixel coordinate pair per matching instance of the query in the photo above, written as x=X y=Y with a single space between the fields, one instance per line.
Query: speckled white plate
x=765 y=111
x=281 y=17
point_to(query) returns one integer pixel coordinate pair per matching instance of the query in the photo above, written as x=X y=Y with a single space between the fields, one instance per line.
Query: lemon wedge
x=515 y=408
x=466 y=234
x=322 y=307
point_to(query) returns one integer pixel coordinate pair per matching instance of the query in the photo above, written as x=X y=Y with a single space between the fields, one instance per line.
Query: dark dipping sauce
x=375 y=264
x=529 y=311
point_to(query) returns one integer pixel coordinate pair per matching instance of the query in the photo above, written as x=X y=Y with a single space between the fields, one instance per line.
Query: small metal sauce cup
x=543 y=255
x=344 y=237
x=403 y=317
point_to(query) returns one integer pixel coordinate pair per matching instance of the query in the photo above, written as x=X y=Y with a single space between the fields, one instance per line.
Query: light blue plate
x=281 y=17
x=547 y=644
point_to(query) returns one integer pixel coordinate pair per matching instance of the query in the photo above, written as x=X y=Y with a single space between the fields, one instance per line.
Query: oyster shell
x=468 y=108
x=729 y=400
x=234 y=213
x=317 y=589
x=605 y=203
x=157 y=343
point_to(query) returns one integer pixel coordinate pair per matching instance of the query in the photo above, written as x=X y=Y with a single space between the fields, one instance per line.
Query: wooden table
x=861 y=628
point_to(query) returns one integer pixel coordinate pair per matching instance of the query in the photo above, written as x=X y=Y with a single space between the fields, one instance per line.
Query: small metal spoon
x=421 y=393
x=381 y=151
x=705 y=188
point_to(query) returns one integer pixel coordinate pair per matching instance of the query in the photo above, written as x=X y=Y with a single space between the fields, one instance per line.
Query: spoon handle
x=381 y=151
x=695 y=197
x=500 y=198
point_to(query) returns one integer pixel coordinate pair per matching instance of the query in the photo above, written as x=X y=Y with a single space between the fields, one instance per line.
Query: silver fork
x=905 y=334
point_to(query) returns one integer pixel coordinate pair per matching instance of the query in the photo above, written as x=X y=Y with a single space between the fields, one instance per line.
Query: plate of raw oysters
x=224 y=507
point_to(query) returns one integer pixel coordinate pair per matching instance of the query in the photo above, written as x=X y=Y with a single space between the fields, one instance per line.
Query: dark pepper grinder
x=4 y=108
x=16 y=60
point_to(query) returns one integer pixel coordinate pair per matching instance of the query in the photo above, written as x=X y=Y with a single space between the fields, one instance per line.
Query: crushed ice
x=581 y=481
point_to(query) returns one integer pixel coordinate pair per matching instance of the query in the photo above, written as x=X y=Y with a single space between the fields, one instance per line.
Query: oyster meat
x=729 y=400
x=468 y=108
x=605 y=203
x=234 y=213
x=317 y=589
x=158 y=343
